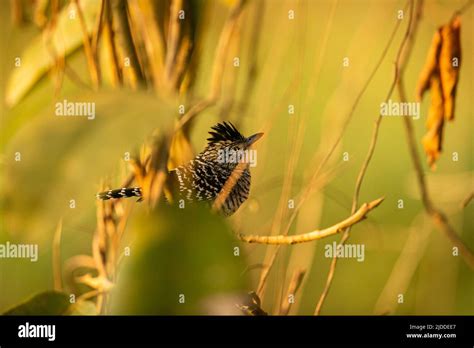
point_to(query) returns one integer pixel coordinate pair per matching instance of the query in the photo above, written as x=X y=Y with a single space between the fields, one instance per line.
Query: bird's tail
x=120 y=193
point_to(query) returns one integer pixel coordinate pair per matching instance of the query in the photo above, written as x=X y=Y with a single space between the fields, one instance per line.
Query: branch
x=358 y=216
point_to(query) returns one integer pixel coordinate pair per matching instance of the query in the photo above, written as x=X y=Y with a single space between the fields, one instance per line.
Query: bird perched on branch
x=219 y=175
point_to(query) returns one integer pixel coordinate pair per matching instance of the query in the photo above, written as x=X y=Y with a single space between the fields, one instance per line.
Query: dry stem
x=57 y=257
x=293 y=288
x=89 y=52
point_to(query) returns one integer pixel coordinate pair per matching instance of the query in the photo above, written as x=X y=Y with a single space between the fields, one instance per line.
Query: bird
x=207 y=176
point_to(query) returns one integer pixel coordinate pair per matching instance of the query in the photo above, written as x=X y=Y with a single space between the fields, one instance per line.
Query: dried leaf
x=440 y=74
x=45 y=303
x=432 y=141
x=181 y=150
x=449 y=63
x=431 y=65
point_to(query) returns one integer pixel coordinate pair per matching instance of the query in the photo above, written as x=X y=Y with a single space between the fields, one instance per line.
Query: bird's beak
x=253 y=138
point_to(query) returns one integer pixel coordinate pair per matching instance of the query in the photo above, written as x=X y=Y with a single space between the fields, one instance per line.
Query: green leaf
x=178 y=252
x=71 y=155
x=38 y=57
x=45 y=303
x=53 y=303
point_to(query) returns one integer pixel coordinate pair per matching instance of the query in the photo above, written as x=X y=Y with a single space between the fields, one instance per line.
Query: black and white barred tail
x=120 y=193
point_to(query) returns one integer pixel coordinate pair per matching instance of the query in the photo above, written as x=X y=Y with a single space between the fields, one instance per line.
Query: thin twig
x=366 y=163
x=358 y=216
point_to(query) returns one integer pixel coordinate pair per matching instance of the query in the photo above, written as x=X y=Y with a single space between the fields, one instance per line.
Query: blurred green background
x=298 y=62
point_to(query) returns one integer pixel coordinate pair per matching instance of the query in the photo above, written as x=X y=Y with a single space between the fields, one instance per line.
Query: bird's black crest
x=224 y=131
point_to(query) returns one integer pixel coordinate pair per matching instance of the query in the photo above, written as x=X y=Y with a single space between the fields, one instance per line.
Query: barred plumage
x=204 y=177
x=120 y=193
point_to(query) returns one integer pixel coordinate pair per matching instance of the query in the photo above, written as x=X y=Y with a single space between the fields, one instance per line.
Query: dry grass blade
x=317 y=183
x=88 y=50
x=108 y=54
x=405 y=267
x=328 y=155
x=295 y=284
x=467 y=200
x=57 y=257
x=147 y=21
x=311 y=186
x=370 y=152
x=126 y=53
x=229 y=185
x=173 y=42
x=219 y=65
